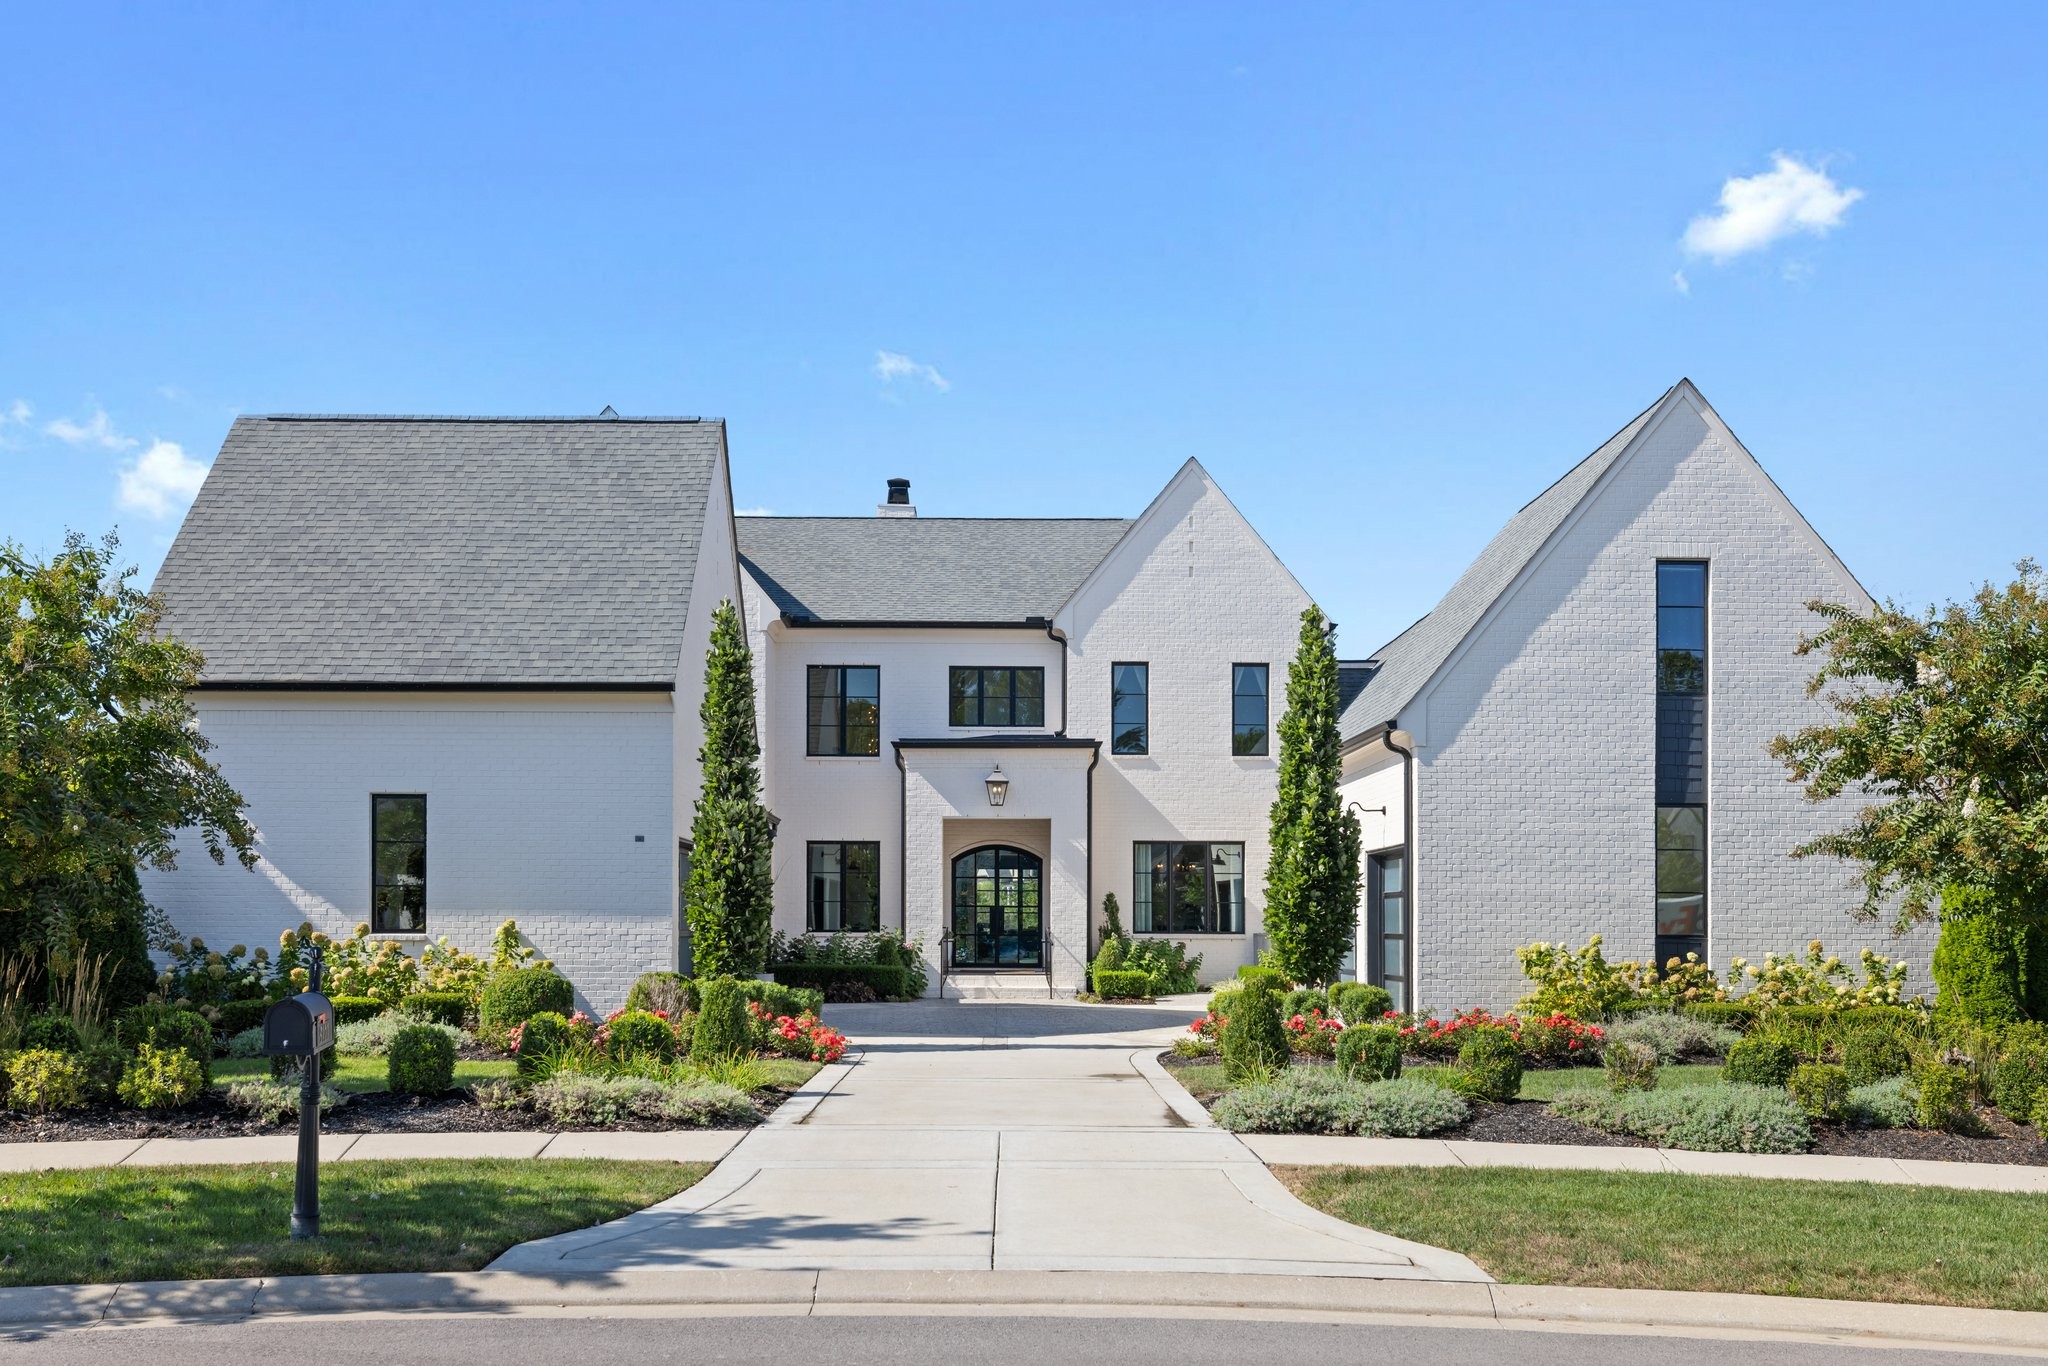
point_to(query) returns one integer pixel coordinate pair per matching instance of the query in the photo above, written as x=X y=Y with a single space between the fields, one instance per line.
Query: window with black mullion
x=996 y=697
x=1681 y=847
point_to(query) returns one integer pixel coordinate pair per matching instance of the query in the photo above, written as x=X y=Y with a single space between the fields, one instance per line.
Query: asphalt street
x=897 y=1341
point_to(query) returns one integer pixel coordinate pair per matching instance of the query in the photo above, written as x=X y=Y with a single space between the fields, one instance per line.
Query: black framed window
x=845 y=710
x=997 y=697
x=1386 y=918
x=1187 y=887
x=1681 y=848
x=398 y=864
x=845 y=886
x=1249 y=708
x=1130 y=688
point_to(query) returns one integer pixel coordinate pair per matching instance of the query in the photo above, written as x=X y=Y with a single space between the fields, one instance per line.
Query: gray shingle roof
x=1411 y=659
x=444 y=551
x=923 y=569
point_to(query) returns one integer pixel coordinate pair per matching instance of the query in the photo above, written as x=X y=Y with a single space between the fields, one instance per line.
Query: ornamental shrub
x=1557 y=1038
x=53 y=1032
x=168 y=1027
x=671 y=993
x=1734 y=1014
x=722 y=1029
x=1313 y=1035
x=1762 y=1060
x=356 y=1009
x=232 y=1017
x=1871 y=1055
x=1986 y=967
x=519 y=994
x=1254 y=1041
x=247 y=1044
x=1492 y=1057
x=373 y=1038
x=1886 y=1104
x=42 y=1081
x=1358 y=1003
x=1369 y=1052
x=2022 y=1071
x=1122 y=986
x=1579 y=982
x=1320 y=1100
x=639 y=1033
x=582 y=1098
x=103 y=1064
x=1709 y=1119
x=780 y=998
x=1821 y=1088
x=422 y=1061
x=1942 y=1095
x=1173 y=970
x=440 y=1007
x=161 y=1079
x=1673 y=1034
x=1109 y=958
x=889 y=981
x=2039 y=1119
x=538 y=1036
x=1302 y=1000
x=1631 y=1066
x=1271 y=978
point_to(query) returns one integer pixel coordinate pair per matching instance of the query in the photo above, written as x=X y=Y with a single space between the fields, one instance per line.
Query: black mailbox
x=298 y=1026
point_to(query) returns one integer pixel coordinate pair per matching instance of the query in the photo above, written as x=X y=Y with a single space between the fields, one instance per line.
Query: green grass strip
x=187 y=1223
x=1640 y=1230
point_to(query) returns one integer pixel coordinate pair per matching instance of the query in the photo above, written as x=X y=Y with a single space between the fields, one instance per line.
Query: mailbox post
x=301 y=1027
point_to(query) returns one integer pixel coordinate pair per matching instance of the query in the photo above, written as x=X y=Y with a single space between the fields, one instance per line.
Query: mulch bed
x=374 y=1112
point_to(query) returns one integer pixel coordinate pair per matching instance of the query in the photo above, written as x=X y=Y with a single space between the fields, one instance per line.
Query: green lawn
x=1642 y=1230
x=353 y=1072
x=180 y=1223
x=1205 y=1081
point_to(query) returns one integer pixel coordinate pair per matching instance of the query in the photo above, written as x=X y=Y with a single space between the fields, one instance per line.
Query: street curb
x=1052 y=1293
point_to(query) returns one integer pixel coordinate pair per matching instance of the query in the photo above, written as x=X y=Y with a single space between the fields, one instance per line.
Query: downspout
x=1061 y=640
x=1408 y=795
x=903 y=865
x=1088 y=880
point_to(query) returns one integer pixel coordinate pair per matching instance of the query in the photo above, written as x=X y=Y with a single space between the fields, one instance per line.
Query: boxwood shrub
x=1734 y=1014
x=1821 y=1088
x=639 y=1034
x=1492 y=1058
x=232 y=1017
x=1254 y=1040
x=55 y=1033
x=1942 y=1093
x=441 y=1007
x=722 y=1028
x=422 y=1061
x=1369 y=1052
x=1270 y=978
x=1119 y=985
x=356 y=1009
x=1871 y=1055
x=1360 y=1003
x=1760 y=1061
x=517 y=994
x=164 y=1026
x=542 y=1034
x=890 y=981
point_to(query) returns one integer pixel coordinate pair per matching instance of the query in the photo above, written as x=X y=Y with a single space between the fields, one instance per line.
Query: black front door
x=996 y=901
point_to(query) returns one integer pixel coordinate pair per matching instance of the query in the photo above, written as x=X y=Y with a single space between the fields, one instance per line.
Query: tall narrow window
x=845 y=714
x=1130 y=730
x=1386 y=921
x=845 y=887
x=1249 y=710
x=997 y=697
x=398 y=865
x=1188 y=888
x=1681 y=850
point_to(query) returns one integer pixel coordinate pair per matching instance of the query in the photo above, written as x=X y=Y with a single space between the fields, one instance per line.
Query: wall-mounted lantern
x=998 y=787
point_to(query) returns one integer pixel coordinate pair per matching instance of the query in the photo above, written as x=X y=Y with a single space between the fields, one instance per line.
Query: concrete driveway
x=1007 y=1137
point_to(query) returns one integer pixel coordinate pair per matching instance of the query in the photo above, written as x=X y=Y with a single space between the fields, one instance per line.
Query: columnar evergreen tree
x=1312 y=873
x=730 y=895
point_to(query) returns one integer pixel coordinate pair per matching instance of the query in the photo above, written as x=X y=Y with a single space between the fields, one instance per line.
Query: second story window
x=845 y=711
x=1130 y=688
x=997 y=697
x=1248 y=709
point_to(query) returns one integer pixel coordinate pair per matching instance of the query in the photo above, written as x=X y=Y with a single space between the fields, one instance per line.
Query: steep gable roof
x=444 y=551
x=1408 y=661
x=932 y=570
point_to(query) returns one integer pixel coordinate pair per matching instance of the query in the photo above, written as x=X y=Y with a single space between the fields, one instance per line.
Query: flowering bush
x=794 y=1036
x=1582 y=983
x=1313 y=1035
x=199 y=978
x=1434 y=1038
x=1819 y=979
x=1557 y=1037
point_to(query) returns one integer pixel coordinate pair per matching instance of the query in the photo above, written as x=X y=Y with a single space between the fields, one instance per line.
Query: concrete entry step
x=970 y=985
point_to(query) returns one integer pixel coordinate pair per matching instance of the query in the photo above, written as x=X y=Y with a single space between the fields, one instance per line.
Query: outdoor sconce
x=998 y=787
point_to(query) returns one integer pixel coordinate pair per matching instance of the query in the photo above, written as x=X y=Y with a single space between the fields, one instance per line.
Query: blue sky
x=1386 y=271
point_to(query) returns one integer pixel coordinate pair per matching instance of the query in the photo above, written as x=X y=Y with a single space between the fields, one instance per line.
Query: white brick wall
x=1537 y=798
x=533 y=803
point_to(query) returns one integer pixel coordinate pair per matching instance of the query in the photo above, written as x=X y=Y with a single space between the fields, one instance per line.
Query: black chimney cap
x=899 y=491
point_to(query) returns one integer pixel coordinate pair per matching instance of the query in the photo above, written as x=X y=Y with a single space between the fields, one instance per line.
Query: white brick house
x=455 y=666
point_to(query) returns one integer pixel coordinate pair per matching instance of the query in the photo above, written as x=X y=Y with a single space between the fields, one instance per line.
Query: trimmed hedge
x=1253 y=1038
x=1734 y=1014
x=235 y=1016
x=163 y=1026
x=440 y=1007
x=723 y=1030
x=518 y=994
x=356 y=1009
x=1369 y=1052
x=890 y=981
x=1760 y=1061
x=422 y=1061
x=639 y=1033
x=1272 y=978
x=55 y=1033
x=1360 y=1003
x=1118 y=985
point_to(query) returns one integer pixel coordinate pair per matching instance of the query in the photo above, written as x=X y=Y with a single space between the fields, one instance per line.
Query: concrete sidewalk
x=693 y=1145
x=1315 y=1150
x=1178 y=1295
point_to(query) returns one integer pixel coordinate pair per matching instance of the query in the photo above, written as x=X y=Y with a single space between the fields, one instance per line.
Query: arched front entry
x=997 y=915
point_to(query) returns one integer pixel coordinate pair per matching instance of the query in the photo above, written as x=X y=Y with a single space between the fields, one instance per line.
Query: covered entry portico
x=991 y=887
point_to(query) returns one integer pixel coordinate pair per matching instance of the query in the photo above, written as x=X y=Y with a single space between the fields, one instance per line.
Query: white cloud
x=1680 y=283
x=890 y=365
x=18 y=413
x=1755 y=211
x=162 y=480
x=97 y=430
x=753 y=512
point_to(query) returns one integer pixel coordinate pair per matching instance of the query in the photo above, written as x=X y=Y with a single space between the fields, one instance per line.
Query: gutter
x=879 y=624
